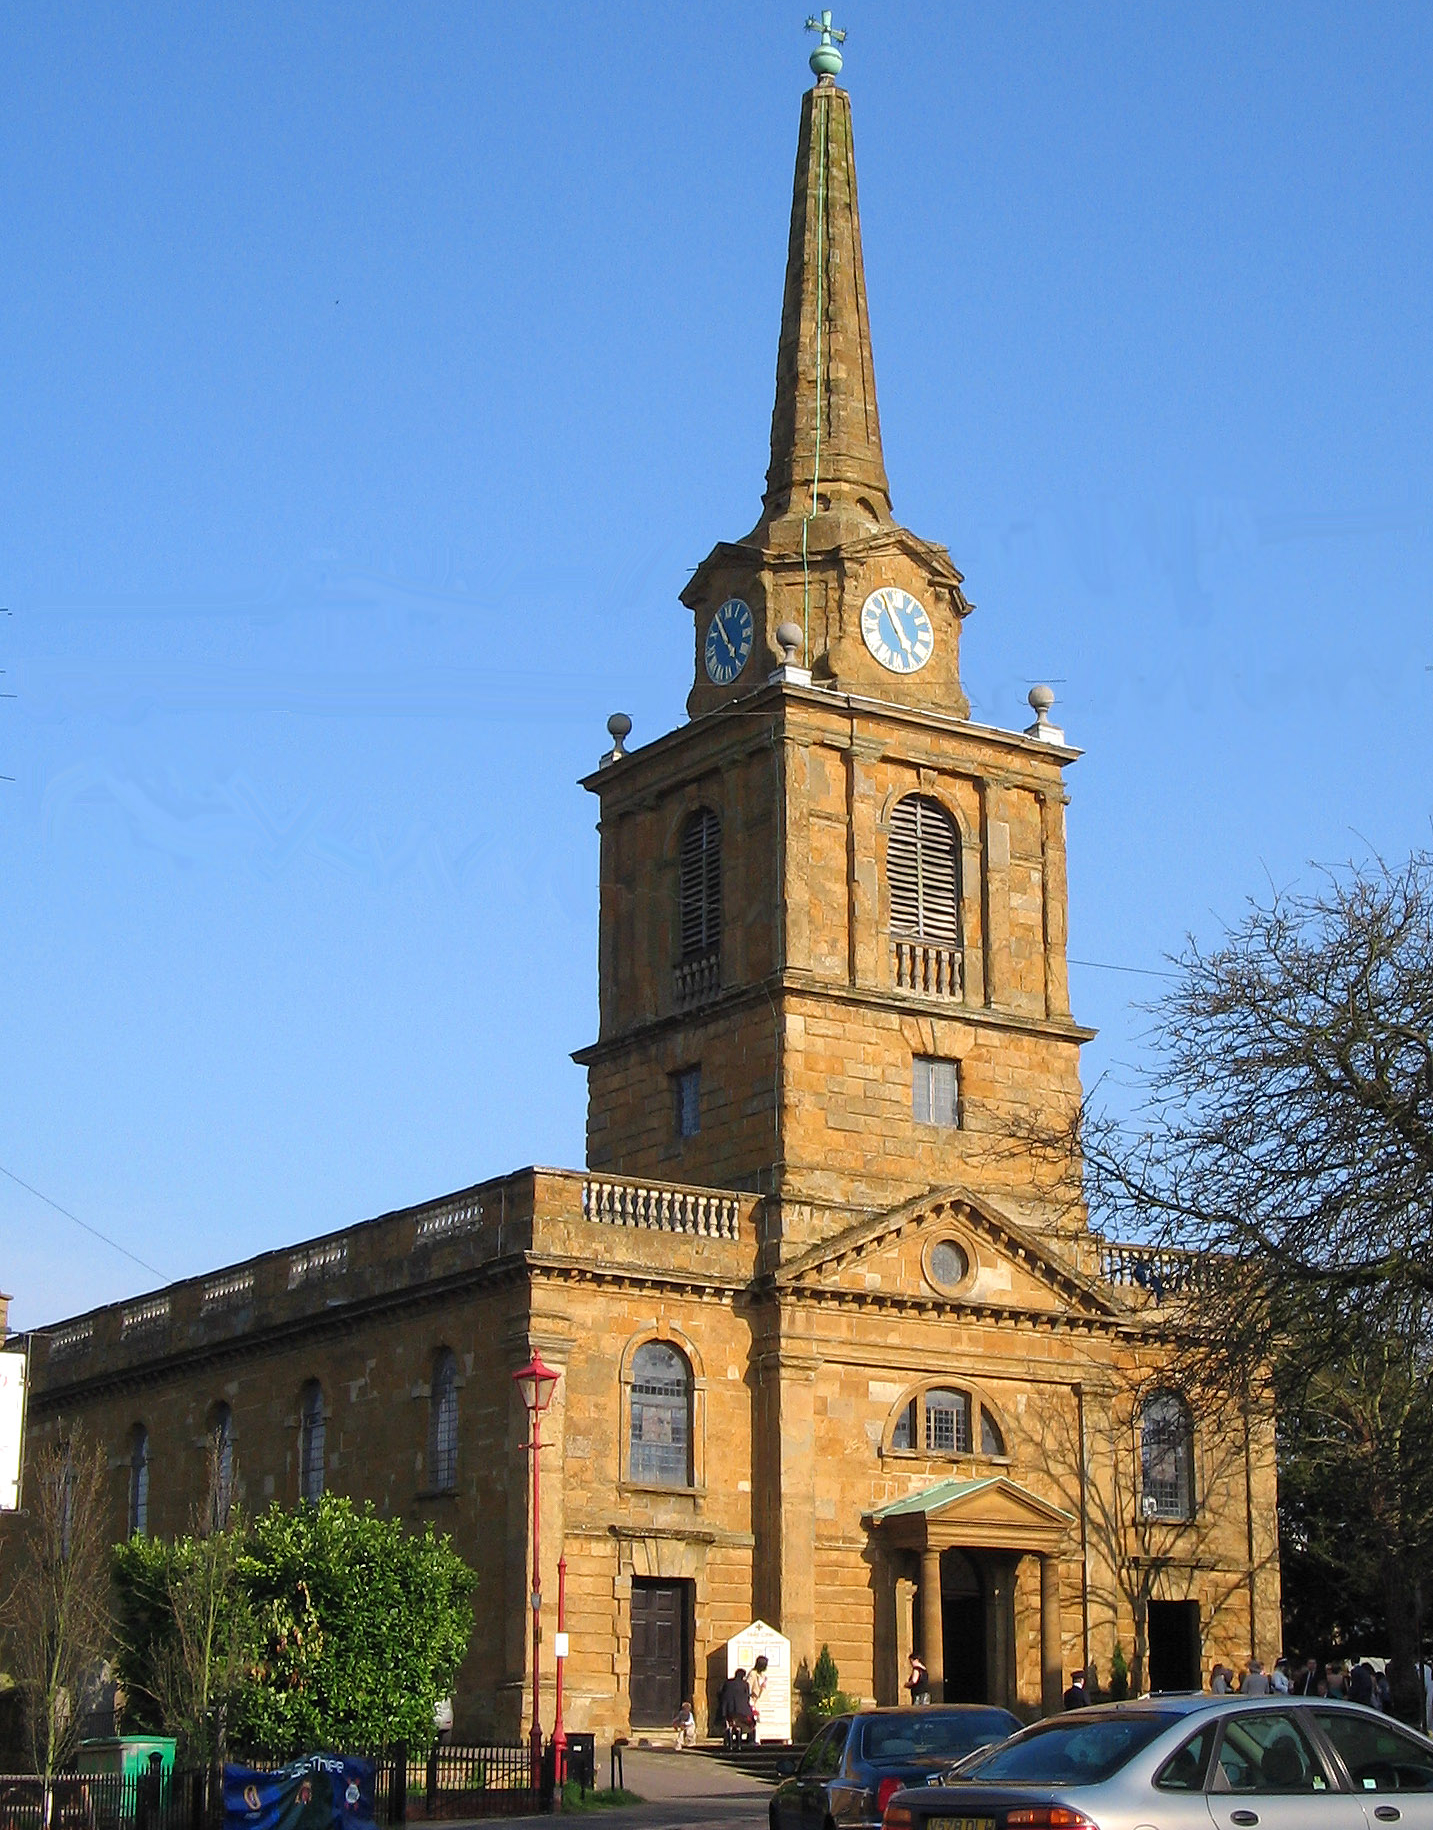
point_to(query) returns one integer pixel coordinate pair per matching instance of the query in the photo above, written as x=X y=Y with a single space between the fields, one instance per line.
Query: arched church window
x=939 y=1421
x=219 y=1450
x=923 y=875
x=1166 y=1457
x=312 y=1429
x=443 y=1424
x=138 y=1481
x=661 y=1417
x=699 y=893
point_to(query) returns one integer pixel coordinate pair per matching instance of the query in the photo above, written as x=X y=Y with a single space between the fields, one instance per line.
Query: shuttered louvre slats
x=923 y=869
x=699 y=897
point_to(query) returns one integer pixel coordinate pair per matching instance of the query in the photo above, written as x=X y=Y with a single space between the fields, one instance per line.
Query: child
x=684 y=1725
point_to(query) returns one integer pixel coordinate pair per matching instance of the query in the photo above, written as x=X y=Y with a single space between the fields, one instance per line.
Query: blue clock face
x=728 y=642
x=897 y=630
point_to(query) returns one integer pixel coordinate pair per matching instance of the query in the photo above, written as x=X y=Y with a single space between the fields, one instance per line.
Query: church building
x=837 y=1347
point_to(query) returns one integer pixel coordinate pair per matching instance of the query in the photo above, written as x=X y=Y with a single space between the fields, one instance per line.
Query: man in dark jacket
x=1075 y=1697
x=737 y=1715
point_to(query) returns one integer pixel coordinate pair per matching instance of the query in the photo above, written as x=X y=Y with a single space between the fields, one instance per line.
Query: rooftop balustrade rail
x=1160 y=1271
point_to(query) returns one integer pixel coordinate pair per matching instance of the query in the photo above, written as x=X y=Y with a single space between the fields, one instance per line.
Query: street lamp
x=535 y=1382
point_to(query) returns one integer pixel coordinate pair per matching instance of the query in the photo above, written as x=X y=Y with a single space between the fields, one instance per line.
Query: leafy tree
x=1286 y=1142
x=187 y=1637
x=361 y=1628
x=56 y=1617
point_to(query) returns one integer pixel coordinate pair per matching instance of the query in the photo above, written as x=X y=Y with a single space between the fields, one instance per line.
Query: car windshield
x=1080 y=1751
x=926 y=1734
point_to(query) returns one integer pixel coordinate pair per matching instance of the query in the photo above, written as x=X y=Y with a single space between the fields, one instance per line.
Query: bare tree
x=56 y=1618
x=1286 y=1142
x=187 y=1643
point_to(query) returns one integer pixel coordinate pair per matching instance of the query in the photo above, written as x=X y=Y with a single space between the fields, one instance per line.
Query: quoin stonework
x=838 y=1348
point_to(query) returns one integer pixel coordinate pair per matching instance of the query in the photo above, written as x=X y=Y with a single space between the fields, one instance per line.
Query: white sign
x=771 y=1684
x=559 y=1645
x=12 y=1427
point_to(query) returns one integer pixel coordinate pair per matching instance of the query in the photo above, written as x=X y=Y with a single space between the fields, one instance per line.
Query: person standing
x=1256 y=1680
x=1075 y=1697
x=1280 y=1683
x=1218 y=1682
x=1305 y=1684
x=918 y=1680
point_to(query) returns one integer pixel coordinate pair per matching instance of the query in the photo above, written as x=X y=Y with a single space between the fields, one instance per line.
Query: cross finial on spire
x=826 y=58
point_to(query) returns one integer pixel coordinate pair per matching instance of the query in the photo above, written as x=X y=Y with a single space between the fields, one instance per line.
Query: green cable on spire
x=826 y=58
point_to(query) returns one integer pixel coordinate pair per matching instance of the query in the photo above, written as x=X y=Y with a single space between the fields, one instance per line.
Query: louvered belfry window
x=697 y=973
x=923 y=865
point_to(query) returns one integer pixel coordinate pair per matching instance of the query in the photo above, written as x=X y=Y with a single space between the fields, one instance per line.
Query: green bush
x=1119 y=1675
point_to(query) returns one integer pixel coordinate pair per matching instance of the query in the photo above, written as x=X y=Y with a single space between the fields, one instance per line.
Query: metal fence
x=491 y=1779
x=111 y=1801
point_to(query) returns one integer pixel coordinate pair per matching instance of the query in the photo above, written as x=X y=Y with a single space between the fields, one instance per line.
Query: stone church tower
x=830 y=874
x=837 y=1348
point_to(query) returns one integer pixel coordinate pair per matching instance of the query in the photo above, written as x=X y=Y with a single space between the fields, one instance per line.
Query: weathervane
x=826 y=58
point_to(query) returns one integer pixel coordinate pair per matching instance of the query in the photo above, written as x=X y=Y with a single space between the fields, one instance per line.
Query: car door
x=1391 y=1770
x=1268 y=1772
x=815 y=1807
x=791 y=1794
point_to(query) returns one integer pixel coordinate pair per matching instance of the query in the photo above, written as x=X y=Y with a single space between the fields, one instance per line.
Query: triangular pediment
x=889 y=1255
x=995 y=1511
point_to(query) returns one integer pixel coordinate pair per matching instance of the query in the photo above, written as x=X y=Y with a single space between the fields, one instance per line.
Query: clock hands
x=721 y=631
x=894 y=620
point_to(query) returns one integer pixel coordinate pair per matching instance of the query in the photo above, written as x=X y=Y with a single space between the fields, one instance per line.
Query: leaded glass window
x=311 y=1439
x=139 y=1481
x=1166 y=1457
x=947 y=1422
x=443 y=1424
x=660 y=1449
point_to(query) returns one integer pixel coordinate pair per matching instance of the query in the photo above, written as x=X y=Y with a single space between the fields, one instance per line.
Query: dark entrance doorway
x=1174 y=1649
x=962 y=1612
x=661 y=1638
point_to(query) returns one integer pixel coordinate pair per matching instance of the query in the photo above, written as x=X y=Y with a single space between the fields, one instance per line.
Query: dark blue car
x=855 y=1764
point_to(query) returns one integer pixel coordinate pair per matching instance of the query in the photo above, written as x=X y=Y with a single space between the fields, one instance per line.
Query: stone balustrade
x=1157 y=1270
x=928 y=971
x=696 y=979
x=534 y=1211
x=463 y=1214
x=230 y=1290
x=146 y=1317
x=666 y=1207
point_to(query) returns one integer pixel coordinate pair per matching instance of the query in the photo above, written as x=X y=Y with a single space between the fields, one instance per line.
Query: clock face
x=728 y=642
x=897 y=630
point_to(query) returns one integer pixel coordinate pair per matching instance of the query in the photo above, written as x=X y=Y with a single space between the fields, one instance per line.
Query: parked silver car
x=1189 y=1763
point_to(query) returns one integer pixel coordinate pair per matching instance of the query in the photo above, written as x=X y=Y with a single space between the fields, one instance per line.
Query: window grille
x=687 y=1101
x=139 y=1482
x=311 y=1435
x=660 y=1450
x=699 y=896
x=935 y=1090
x=991 y=1441
x=443 y=1425
x=947 y=1423
x=1166 y=1457
x=923 y=869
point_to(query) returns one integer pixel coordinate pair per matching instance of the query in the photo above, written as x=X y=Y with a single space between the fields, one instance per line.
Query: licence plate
x=960 y=1823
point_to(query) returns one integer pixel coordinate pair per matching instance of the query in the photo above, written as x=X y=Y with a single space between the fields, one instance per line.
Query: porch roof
x=995 y=1513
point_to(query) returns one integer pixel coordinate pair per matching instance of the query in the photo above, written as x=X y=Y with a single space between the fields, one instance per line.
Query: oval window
x=948 y=1264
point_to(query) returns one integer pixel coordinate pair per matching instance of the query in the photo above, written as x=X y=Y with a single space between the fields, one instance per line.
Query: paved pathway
x=678 y=1789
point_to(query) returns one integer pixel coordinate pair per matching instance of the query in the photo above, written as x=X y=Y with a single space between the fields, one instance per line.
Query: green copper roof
x=934 y=1497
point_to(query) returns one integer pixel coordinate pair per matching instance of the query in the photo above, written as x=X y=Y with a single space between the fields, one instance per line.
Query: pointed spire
x=825 y=431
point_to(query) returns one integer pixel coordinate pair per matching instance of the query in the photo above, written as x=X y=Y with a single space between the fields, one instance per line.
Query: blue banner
x=319 y=1792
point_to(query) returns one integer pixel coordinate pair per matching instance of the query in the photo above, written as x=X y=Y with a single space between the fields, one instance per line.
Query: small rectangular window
x=904 y=1434
x=687 y=1101
x=936 y=1090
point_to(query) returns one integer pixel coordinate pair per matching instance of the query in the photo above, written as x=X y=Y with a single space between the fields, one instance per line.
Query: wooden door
x=658 y=1652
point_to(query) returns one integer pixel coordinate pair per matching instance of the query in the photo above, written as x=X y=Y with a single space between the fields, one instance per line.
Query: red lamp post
x=559 y=1734
x=535 y=1382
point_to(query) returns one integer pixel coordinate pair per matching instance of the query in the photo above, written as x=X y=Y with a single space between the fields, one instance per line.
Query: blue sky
x=372 y=379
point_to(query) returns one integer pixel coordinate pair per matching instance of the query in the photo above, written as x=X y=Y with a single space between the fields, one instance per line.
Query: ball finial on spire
x=826 y=58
